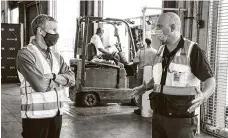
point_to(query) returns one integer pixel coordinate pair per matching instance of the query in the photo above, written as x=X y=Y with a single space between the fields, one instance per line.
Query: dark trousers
x=168 y=127
x=42 y=128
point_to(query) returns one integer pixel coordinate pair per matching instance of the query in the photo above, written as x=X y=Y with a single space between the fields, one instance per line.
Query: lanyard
x=168 y=58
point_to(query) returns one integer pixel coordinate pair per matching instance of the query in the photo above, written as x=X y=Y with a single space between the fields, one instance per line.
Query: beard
x=162 y=38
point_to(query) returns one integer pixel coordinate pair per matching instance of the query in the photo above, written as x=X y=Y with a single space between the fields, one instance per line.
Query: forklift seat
x=91 y=51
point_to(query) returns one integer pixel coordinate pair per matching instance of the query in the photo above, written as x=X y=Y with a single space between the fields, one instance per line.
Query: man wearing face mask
x=43 y=75
x=179 y=66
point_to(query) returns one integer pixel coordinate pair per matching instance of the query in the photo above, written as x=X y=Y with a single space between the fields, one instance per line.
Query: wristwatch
x=54 y=76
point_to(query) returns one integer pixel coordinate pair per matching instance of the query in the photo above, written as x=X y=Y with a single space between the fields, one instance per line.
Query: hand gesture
x=200 y=98
x=130 y=63
x=121 y=65
x=139 y=90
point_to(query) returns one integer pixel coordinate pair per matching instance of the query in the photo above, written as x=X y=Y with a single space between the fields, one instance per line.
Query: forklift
x=101 y=82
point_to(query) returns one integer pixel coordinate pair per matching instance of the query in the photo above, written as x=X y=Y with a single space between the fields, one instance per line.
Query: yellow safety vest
x=179 y=80
x=41 y=104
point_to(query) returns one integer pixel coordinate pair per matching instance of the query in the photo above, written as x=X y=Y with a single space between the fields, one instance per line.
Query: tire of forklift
x=89 y=100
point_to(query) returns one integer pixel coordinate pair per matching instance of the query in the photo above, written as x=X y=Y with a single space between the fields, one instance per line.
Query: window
x=67 y=27
x=14 y=16
x=215 y=114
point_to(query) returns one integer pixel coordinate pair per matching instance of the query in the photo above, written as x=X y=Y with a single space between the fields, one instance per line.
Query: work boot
x=137 y=111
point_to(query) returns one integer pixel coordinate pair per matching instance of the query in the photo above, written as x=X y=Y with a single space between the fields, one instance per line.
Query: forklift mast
x=81 y=40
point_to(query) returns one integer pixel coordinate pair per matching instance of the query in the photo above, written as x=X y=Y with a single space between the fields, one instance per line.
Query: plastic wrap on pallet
x=146 y=110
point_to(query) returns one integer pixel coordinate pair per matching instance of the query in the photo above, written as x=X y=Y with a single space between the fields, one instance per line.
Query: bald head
x=171 y=19
x=100 y=31
x=168 y=27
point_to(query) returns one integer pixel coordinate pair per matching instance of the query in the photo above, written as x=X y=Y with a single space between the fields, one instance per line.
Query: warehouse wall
x=190 y=24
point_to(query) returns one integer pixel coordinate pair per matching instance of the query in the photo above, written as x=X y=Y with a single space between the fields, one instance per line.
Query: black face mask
x=51 y=39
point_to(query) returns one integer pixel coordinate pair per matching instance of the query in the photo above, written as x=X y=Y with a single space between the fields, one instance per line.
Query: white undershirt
x=96 y=40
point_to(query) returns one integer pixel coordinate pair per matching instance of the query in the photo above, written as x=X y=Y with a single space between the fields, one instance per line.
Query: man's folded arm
x=66 y=77
x=37 y=80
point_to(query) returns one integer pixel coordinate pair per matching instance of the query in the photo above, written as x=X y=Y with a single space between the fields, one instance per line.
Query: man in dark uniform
x=179 y=66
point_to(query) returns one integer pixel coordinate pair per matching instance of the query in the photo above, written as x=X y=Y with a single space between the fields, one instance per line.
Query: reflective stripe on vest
x=171 y=90
x=179 y=73
x=40 y=104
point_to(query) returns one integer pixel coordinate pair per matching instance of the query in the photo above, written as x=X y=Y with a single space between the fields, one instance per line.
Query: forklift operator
x=100 y=50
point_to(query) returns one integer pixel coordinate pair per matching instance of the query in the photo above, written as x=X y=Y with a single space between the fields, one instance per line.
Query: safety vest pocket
x=177 y=105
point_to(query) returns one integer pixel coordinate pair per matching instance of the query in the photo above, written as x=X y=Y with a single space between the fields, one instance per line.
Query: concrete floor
x=106 y=121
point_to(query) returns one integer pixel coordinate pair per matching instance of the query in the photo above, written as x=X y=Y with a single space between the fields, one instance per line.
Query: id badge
x=179 y=79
